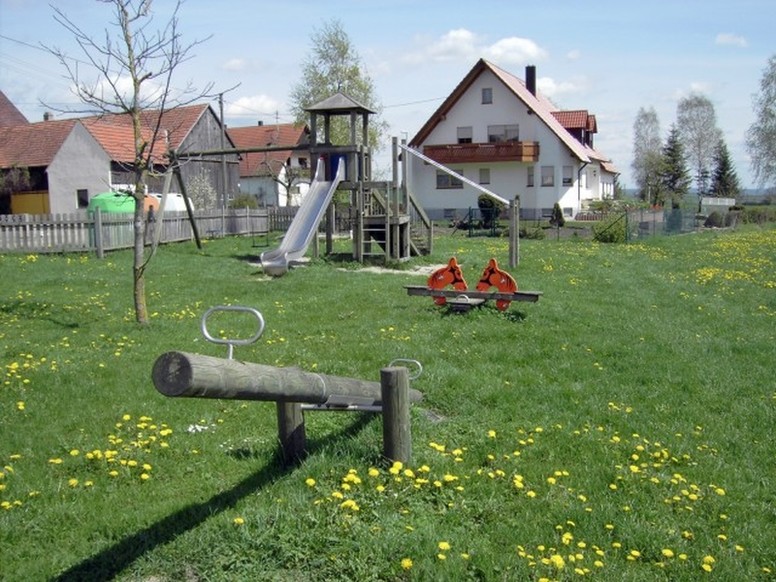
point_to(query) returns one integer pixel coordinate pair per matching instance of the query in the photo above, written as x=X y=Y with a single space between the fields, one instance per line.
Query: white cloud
x=574 y=55
x=234 y=65
x=253 y=106
x=514 y=50
x=728 y=38
x=553 y=89
x=462 y=44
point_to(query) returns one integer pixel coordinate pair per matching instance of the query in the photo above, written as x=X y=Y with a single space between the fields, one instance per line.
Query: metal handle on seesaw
x=228 y=341
x=415 y=363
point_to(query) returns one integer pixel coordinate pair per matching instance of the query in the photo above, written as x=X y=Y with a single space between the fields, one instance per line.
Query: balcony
x=465 y=153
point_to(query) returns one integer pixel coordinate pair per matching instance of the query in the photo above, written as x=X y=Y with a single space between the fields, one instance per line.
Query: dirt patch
x=419 y=270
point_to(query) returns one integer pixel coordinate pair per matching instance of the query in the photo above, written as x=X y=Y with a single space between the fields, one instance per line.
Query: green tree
x=557 y=219
x=761 y=136
x=696 y=121
x=131 y=52
x=332 y=66
x=647 y=156
x=674 y=175
x=724 y=181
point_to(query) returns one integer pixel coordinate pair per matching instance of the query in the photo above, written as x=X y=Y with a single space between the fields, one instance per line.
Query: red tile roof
x=36 y=144
x=9 y=114
x=256 y=136
x=33 y=144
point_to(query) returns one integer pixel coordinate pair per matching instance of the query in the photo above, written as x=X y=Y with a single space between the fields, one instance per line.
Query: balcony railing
x=511 y=151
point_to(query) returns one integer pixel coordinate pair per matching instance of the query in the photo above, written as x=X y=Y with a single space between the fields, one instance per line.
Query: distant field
x=621 y=427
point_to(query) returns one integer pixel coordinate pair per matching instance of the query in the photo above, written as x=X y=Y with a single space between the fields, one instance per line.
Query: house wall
x=507 y=179
x=80 y=164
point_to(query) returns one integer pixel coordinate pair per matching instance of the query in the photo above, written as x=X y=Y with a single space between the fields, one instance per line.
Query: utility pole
x=223 y=146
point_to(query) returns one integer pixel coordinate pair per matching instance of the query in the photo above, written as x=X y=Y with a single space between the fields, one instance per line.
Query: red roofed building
x=71 y=160
x=277 y=177
x=499 y=132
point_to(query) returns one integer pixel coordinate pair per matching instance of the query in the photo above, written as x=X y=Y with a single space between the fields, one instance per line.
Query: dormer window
x=487 y=95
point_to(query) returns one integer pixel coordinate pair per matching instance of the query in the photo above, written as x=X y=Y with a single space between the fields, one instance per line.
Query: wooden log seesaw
x=461 y=299
x=181 y=374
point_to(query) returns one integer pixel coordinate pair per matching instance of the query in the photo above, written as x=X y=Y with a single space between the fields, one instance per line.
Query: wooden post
x=514 y=232
x=397 y=438
x=98 y=233
x=291 y=432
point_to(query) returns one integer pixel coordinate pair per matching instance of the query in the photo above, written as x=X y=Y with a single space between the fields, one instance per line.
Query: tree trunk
x=138 y=269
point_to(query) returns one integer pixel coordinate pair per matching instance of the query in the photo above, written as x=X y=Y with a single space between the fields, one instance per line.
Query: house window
x=465 y=134
x=548 y=175
x=302 y=162
x=83 y=198
x=530 y=177
x=568 y=175
x=502 y=133
x=445 y=181
x=487 y=95
x=484 y=175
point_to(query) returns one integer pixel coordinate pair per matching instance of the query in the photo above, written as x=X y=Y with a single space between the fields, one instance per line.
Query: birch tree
x=696 y=121
x=761 y=136
x=128 y=70
x=647 y=154
x=333 y=65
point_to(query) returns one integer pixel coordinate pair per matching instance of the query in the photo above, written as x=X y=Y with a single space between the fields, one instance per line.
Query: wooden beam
x=532 y=296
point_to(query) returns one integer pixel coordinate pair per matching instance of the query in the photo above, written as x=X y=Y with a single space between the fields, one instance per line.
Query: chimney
x=261 y=123
x=47 y=116
x=530 y=79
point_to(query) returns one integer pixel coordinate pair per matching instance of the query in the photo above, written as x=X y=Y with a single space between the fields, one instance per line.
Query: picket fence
x=101 y=231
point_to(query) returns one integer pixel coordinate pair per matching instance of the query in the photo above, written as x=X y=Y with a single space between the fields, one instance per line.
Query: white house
x=276 y=176
x=499 y=131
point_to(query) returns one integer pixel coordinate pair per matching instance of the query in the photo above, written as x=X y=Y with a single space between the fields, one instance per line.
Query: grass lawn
x=620 y=428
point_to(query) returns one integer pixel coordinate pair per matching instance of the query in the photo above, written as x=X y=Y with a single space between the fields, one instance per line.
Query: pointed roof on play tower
x=339 y=104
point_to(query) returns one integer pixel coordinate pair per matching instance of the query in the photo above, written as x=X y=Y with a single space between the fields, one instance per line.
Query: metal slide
x=305 y=224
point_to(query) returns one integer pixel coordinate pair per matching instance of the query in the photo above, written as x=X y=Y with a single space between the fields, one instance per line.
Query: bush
x=490 y=210
x=557 y=219
x=611 y=229
x=714 y=220
x=244 y=201
x=533 y=234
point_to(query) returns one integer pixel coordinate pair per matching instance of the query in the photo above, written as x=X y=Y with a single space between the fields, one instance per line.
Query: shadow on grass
x=108 y=563
x=36 y=310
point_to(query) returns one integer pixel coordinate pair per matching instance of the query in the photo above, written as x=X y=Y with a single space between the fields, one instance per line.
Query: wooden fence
x=102 y=231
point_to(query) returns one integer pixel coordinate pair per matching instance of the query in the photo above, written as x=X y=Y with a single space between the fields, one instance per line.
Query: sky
x=608 y=57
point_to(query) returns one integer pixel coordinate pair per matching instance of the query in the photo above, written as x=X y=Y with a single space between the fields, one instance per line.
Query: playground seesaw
x=460 y=298
x=181 y=374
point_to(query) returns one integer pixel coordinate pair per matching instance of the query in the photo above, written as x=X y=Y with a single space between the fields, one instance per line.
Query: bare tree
x=761 y=136
x=647 y=154
x=129 y=71
x=287 y=176
x=696 y=121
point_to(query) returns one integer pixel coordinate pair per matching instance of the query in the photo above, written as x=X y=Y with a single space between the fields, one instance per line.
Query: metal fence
x=101 y=231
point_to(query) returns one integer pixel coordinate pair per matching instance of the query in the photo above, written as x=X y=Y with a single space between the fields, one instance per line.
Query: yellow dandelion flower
x=145 y=476
x=444 y=546
x=56 y=461
x=72 y=482
x=668 y=553
x=310 y=482
x=491 y=434
x=708 y=559
x=442 y=556
x=375 y=473
x=707 y=567
x=238 y=521
x=558 y=561
x=406 y=563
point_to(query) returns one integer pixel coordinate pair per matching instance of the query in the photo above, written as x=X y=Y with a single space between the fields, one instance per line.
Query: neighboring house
x=500 y=132
x=71 y=160
x=277 y=177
